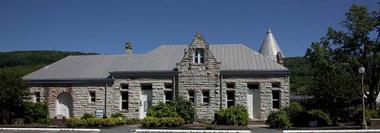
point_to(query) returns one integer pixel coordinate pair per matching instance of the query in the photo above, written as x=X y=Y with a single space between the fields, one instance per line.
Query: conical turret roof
x=269 y=47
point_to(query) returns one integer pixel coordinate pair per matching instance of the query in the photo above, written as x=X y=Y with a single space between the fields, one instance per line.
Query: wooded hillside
x=300 y=78
x=24 y=62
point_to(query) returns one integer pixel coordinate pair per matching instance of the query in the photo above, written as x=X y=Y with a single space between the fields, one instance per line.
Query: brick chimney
x=280 y=59
x=128 y=48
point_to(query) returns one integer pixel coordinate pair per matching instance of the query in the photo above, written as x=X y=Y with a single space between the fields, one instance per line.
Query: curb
x=51 y=129
x=188 y=131
x=333 y=131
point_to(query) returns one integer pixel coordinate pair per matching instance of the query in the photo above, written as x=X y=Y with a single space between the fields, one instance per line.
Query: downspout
x=105 y=99
x=220 y=91
x=174 y=88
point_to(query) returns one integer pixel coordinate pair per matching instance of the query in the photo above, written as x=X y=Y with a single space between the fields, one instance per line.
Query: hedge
x=163 y=122
x=94 y=122
x=236 y=115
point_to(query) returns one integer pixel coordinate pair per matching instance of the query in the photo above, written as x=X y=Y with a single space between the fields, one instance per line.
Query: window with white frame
x=37 y=96
x=124 y=95
x=124 y=100
x=206 y=96
x=230 y=98
x=198 y=56
x=168 y=96
x=168 y=92
x=191 y=96
x=92 y=96
x=276 y=99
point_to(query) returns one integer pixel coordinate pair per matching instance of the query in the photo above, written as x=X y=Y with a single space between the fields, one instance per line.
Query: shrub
x=44 y=121
x=132 y=121
x=358 y=116
x=87 y=115
x=278 y=119
x=184 y=109
x=178 y=121
x=94 y=122
x=35 y=112
x=162 y=110
x=294 y=109
x=74 y=122
x=150 y=122
x=117 y=115
x=322 y=118
x=236 y=115
x=374 y=113
x=297 y=114
x=163 y=122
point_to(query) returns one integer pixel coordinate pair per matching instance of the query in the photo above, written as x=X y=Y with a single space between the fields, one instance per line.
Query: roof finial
x=269 y=30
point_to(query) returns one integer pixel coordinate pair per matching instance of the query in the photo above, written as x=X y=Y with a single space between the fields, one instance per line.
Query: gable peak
x=198 y=40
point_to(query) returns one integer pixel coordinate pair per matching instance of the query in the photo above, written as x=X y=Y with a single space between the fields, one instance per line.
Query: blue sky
x=104 y=26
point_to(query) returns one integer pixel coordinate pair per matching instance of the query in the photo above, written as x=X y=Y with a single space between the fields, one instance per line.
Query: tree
x=331 y=89
x=13 y=92
x=341 y=52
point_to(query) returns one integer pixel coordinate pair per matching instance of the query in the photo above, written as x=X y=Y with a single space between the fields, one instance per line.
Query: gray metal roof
x=269 y=47
x=233 y=57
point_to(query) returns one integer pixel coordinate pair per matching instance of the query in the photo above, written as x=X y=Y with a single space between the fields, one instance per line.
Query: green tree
x=335 y=60
x=12 y=95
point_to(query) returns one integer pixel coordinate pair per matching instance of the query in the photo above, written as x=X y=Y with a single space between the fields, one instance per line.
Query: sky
x=103 y=26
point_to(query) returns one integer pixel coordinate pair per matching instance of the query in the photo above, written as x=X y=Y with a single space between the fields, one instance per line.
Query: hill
x=300 y=78
x=25 y=62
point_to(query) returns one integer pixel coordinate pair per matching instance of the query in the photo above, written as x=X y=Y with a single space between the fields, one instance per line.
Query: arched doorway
x=64 y=105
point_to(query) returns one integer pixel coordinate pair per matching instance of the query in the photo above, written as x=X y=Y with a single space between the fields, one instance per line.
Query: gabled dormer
x=198 y=51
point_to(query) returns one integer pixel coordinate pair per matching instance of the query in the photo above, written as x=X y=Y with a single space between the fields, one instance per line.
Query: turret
x=270 y=48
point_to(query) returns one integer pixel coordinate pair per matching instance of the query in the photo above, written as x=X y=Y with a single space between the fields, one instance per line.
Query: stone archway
x=64 y=105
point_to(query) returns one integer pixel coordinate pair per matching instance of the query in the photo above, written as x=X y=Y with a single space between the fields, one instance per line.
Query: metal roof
x=269 y=47
x=233 y=57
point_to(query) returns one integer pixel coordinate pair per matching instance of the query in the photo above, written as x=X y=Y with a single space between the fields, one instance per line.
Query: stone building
x=212 y=76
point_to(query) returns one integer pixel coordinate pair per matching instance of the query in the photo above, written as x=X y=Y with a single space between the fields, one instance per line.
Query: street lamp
x=361 y=72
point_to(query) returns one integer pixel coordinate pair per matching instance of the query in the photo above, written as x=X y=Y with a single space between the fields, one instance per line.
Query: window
x=124 y=86
x=168 y=96
x=206 y=96
x=253 y=85
x=276 y=85
x=92 y=96
x=168 y=92
x=231 y=85
x=191 y=96
x=146 y=86
x=37 y=95
x=230 y=98
x=276 y=99
x=124 y=100
x=168 y=86
x=198 y=56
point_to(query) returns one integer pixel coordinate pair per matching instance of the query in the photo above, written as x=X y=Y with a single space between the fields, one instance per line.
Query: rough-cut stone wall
x=134 y=90
x=42 y=90
x=80 y=97
x=200 y=77
x=265 y=86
